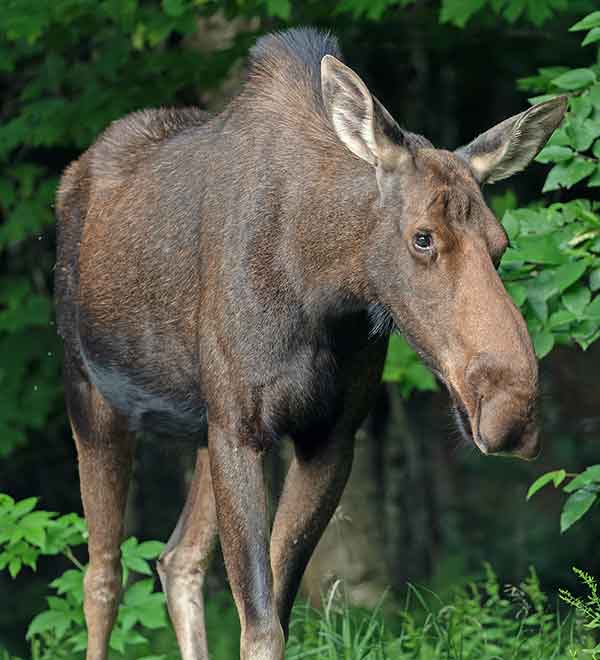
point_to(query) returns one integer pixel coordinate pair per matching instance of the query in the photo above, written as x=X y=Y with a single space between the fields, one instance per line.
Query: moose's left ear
x=510 y=146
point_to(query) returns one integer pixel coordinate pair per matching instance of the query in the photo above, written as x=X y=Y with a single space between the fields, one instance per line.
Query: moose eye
x=423 y=241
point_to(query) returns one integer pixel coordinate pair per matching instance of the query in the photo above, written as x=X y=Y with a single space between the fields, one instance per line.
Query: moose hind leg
x=105 y=453
x=184 y=561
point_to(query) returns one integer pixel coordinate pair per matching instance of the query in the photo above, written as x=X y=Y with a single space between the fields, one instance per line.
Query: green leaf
x=568 y=174
x=138 y=565
x=25 y=506
x=554 y=154
x=138 y=593
x=592 y=311
x=560 y=318
x=517 y=292
x=591 y=475
x=592 y=37
x=575 y=79
x=511 y=225
x=536 y=249
x=576 y=301
x=568 y=274
x=14 y=566
x=150 y=549
x=458 y=12
x=595 y=279
x=543 y=342
x=575 y=507
x=594 y=180
x=590 y=21
x=50 y=620
x=174 y=8
x=279 y=8
x=556 y=477
x=583 y=133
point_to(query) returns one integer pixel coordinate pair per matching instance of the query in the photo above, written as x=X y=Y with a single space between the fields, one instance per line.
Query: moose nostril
x=514 y=439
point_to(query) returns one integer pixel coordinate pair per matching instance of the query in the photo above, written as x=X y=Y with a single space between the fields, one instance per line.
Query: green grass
x=481 y=620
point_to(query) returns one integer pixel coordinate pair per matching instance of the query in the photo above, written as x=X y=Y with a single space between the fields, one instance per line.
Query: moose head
x=433 y=253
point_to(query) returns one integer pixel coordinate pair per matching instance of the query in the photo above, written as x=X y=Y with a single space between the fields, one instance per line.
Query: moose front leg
x=238 y=482
x=312 y=490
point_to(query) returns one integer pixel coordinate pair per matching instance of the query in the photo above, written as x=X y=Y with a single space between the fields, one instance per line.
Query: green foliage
x=587 y=608
x=459 y=12
x=59 y=631
x=582 y=490
x=480 y=620
x=26 y=534
x=552 y=269
x=404 y=367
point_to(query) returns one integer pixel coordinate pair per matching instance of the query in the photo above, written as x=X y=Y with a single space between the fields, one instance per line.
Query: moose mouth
x=467 y=425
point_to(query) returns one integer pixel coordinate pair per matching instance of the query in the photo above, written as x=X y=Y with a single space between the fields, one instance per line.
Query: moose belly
x=157 y=389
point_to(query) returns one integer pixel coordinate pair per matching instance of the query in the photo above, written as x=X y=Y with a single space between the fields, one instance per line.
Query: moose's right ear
x=359 y=119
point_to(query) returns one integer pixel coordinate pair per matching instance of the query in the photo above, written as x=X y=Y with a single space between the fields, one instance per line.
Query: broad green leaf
x=580 y=108
x=279 y=8
x=594 y=180
x=14 y=566
x=556 y=477
x=138 y=565
x=458 y=12
x=517 y=292
x=138 y=593
x=576 y=300
x=595 y=280
x=174 y=8
x=592 y=37
x=555 y=154
x=568 y=174
x=592 y=311
x=575 y=507
x=49 y=620
x=150 y=549
x=590 y=21
x=591 y=475
x=543 y=342
x=560 y=318
x=536 y=249
x=575 y=79
x=583 y=133
x=511 y=225
x=568 y=274
x=25 y=506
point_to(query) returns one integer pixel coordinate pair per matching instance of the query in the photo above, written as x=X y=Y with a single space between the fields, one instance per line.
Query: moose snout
x=503 y=417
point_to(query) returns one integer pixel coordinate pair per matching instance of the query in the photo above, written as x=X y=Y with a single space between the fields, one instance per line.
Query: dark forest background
x=421 y=506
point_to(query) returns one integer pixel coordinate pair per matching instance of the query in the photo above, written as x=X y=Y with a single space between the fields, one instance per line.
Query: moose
x=236 y=277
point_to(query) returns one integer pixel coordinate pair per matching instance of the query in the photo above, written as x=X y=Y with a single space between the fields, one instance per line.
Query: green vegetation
x=480 y=618
x=68 y=68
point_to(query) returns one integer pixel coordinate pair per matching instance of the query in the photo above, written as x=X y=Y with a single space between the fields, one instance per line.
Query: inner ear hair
x=511 y=145
x=350 y=108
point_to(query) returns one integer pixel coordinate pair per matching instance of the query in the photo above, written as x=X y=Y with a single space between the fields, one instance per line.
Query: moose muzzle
x=499 y=402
